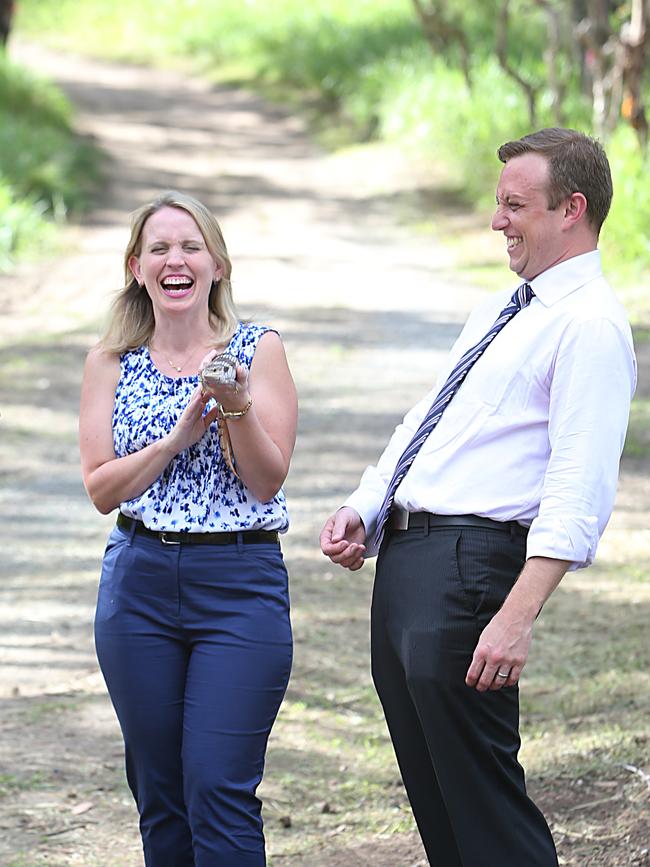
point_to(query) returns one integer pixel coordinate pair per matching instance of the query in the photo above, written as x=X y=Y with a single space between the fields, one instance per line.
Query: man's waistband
x=248 y=537
x=401 y=520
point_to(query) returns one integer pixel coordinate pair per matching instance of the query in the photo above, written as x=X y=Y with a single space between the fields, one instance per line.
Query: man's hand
x=502 y=650
x=503 y=646
x=342 y=539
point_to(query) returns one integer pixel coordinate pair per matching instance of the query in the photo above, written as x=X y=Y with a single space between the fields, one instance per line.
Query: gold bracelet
x=239 y=413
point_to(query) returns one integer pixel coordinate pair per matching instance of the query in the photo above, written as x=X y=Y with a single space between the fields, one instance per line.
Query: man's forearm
x=537 y=580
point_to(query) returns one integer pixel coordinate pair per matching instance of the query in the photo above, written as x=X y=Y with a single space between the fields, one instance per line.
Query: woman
x=192 y=626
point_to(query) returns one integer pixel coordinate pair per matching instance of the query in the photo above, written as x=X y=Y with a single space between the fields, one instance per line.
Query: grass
x=637 y=443
x=585 y=704
x=46 y=171
x=362 y=71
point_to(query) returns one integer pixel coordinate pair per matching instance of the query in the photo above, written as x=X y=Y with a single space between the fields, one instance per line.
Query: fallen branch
x=634 y=770
x=616 y=797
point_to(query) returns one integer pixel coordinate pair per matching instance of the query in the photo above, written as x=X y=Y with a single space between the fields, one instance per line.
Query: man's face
x=535 y=236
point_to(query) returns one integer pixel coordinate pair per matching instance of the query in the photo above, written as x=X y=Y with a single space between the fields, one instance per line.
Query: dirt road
x=366 y=310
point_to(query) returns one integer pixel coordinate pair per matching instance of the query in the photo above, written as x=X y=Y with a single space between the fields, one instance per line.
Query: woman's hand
x=110 y=480
x=232 y=397
x=192 y=424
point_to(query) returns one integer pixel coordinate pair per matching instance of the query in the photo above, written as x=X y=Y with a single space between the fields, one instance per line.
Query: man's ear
x=575 y=207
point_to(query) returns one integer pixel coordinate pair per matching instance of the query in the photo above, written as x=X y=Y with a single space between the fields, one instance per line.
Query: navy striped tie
x=519 y=300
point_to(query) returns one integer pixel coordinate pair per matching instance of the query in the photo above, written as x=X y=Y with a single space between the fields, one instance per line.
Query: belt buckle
x=166 y=541
x=399 y=519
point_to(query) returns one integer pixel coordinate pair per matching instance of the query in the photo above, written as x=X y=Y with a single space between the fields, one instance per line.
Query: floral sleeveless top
x=196 y=492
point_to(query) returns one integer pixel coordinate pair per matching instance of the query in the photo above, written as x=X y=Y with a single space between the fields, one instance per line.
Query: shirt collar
x=559 y=281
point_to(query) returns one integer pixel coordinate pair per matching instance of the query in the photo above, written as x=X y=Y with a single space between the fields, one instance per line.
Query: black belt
x=248 y=537
x=400 y=520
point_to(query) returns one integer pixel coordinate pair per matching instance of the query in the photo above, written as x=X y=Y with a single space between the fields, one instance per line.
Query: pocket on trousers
x=112 y=567
x=488 y=563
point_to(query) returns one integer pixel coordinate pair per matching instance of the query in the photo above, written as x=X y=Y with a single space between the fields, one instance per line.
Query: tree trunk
x=551 y=56
x=530 y=90
x=440 y=31
x=634 y=42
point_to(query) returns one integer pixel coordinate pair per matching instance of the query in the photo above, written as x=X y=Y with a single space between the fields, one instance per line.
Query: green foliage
x=368 y=62
x=45 y=170
x=626 y=234
x=22 y=225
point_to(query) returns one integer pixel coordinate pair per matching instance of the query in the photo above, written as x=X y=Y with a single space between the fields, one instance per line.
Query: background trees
x=599 y=47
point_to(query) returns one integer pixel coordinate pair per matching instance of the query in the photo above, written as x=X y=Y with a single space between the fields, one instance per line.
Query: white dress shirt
x=536 y=431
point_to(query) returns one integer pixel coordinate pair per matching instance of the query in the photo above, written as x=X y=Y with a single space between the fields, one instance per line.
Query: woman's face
x=175 y=264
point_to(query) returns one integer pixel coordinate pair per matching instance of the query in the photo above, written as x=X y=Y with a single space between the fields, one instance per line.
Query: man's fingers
x=474 y=671
x=348 y=555
x=339 y=526
x=482 y=672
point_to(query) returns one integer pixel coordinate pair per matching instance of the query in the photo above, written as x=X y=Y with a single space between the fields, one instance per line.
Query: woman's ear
x=134 y=267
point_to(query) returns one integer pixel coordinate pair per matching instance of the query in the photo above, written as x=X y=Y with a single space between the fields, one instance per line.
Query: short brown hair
x=577 y=164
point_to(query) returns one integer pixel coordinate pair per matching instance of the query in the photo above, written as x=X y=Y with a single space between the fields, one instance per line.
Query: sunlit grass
x=46 y=170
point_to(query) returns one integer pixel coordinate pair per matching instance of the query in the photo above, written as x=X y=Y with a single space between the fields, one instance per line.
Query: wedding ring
x=502 y=675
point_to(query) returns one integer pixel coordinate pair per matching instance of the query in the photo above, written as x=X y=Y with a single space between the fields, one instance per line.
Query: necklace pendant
x=175 y=366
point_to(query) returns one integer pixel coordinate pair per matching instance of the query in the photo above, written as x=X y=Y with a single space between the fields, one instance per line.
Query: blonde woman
x=192 y=625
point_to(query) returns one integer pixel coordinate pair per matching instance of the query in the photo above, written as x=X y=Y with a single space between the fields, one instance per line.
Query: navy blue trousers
x=435 y=591
x=194 y=642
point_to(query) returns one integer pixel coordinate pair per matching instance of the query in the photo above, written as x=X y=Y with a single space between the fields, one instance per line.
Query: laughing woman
x=192 y=626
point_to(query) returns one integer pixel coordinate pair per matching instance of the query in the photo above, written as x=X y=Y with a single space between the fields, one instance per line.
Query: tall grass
x=45 y=170
x=368 y=62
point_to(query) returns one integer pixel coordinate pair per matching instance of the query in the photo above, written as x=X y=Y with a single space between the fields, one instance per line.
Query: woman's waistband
x=248 y=537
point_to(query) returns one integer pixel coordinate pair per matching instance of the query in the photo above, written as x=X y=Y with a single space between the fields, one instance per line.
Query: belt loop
x=131 y=532
x=513 y=531
x=425 y=526
x=240 y=543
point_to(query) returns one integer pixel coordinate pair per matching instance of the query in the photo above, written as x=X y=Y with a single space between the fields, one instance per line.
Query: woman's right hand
x=192 y=424
x=110 y=480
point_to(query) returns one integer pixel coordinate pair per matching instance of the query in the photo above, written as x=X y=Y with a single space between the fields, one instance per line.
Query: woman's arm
x=110 y=480
x=263 y=439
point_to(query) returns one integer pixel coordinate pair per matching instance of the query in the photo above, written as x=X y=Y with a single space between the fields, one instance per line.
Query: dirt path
x=319 y=254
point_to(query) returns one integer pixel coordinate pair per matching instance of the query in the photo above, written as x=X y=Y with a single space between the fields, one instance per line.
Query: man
x=495 y=484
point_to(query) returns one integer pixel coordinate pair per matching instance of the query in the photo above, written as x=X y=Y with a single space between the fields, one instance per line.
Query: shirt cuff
x=365 y=505
x=568 y=538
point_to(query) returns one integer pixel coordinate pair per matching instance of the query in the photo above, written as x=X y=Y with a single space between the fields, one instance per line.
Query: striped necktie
x=519 y=300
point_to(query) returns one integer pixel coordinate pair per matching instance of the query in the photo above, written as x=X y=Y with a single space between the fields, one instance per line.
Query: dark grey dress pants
x=435 y=591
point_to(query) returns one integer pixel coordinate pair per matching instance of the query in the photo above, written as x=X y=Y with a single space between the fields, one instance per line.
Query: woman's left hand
x=232 y=398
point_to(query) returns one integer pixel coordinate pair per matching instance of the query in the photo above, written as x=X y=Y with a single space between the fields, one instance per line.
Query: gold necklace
x=177 y=368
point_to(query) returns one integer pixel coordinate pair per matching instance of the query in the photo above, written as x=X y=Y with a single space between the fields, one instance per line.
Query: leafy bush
x=626 y=233
x=45 y=170
x=368 y=61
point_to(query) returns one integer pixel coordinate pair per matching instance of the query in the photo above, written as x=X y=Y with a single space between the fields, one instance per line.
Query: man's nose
x=499 y=222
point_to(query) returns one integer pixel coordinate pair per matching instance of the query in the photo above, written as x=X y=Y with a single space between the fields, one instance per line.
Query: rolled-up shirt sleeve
x=593 y=380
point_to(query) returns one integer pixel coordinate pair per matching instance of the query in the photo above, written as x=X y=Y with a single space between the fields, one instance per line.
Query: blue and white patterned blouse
x=196 y=492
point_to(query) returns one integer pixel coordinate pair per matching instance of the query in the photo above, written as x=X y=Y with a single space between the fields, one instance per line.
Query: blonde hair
x=131 y=320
